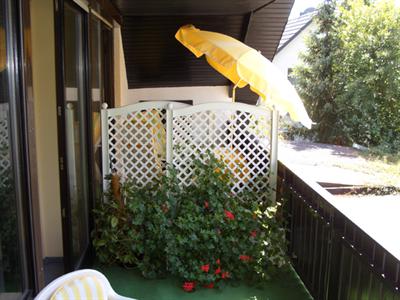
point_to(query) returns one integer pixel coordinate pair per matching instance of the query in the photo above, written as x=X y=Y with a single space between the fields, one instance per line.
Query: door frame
x=61 y=128
x=87 y=14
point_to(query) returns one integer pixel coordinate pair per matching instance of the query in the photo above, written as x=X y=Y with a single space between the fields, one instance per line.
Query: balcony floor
x=286 y=285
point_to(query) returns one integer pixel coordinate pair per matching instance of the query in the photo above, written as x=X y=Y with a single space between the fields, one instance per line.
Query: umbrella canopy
x=243 y=66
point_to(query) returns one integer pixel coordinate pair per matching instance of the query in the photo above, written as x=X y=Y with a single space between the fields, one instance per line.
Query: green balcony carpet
x=285 y=285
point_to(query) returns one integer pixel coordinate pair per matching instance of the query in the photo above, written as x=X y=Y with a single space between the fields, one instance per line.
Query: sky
x=301 y=5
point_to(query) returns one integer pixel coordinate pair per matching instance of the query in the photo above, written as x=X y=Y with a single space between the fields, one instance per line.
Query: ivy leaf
x=114 y=222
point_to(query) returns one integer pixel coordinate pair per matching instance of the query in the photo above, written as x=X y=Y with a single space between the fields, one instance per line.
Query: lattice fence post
x=104 y=144
x=169 y=134
x=274 y=153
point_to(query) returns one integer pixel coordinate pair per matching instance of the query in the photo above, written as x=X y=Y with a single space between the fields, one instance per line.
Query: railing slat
x=334 y=257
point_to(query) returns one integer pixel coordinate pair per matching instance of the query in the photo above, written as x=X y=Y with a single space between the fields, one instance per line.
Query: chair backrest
x=51 y=288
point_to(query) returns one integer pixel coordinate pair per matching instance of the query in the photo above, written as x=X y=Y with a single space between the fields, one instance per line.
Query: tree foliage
x=350 y=75
x=316 y=79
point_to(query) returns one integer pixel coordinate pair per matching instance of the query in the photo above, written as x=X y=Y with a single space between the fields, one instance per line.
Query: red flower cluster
x=229 y=215
x=165 y=208
x=225 y=275
x=188 y=286
x=253 y=233
x=205 y=204
x=218 y=261
x=205 y=268
x=217 y=271
x=209 y=286
x=244 y=257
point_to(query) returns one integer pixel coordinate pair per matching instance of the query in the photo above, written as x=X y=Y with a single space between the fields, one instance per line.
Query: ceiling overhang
x=154 y=58
x=188 y=7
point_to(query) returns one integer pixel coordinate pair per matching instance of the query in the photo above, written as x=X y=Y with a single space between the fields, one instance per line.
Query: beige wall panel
x=44 y=89
x=120 y=79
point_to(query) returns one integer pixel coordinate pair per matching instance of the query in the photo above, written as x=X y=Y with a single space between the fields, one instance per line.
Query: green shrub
x=218 y=235
x=349 y=75
x=203 y=234
x=132 y=232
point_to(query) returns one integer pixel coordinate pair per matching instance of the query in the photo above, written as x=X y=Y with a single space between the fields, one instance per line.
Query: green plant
x=113 y=237
x=203 y=234
x=217 y=235
x=131 y=229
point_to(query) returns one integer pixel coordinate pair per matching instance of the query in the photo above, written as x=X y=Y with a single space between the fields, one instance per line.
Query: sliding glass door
x=85 y=58
x=14 y=238
x=76 y=136
x=100 y=91
x=10 y=264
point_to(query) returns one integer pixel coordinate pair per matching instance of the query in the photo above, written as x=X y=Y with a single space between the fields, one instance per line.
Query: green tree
x=370 y=71
x=316 y=77
x=350 y=74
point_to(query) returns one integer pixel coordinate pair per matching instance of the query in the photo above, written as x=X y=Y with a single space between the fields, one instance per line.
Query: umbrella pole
x=232 y=117
x=234 y=91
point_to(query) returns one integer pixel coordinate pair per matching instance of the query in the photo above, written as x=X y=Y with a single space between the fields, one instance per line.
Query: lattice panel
x=5 y=163
x=137 y=144
x=240 y=138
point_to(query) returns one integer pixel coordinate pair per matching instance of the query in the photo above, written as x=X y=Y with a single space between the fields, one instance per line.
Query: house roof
x=294 y=27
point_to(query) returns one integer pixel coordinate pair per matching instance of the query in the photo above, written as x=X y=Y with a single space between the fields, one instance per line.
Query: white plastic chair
x=49 y=290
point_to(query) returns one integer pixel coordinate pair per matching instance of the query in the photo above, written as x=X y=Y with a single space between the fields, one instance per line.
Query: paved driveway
x=331 y=164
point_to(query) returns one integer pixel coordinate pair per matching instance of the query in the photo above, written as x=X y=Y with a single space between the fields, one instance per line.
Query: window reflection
x=10 y=268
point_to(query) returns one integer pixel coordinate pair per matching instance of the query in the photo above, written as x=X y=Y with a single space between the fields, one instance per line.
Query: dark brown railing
x=333 y=256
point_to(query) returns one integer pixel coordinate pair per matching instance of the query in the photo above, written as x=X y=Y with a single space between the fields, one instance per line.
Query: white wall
x=199 y=94
x=288 y=57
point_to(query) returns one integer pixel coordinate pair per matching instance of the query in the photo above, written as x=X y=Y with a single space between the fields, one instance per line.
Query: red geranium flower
x=209 y=286
x=205 y=268
x=165 y=208
x=218 y=261
x=217 y=271
x=188 y=286
x=225 y=275
x=244 y=257
x=205 y=204
x=229 y=215
x=253 y=233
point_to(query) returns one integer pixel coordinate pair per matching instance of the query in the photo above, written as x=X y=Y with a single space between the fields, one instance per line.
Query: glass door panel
x=12 y=265
x=97 y=98
x=101 y=81
x=75 y=131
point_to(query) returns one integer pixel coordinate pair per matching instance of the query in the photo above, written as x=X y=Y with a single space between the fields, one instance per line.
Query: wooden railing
x=333 y=256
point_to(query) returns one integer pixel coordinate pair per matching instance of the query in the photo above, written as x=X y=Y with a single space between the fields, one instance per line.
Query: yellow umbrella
x=245 y=66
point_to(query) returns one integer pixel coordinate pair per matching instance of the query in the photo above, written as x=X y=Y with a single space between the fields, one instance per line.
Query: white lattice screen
x=5 y=162
x=135 y=136
x=238 y=134
x=139 y=139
